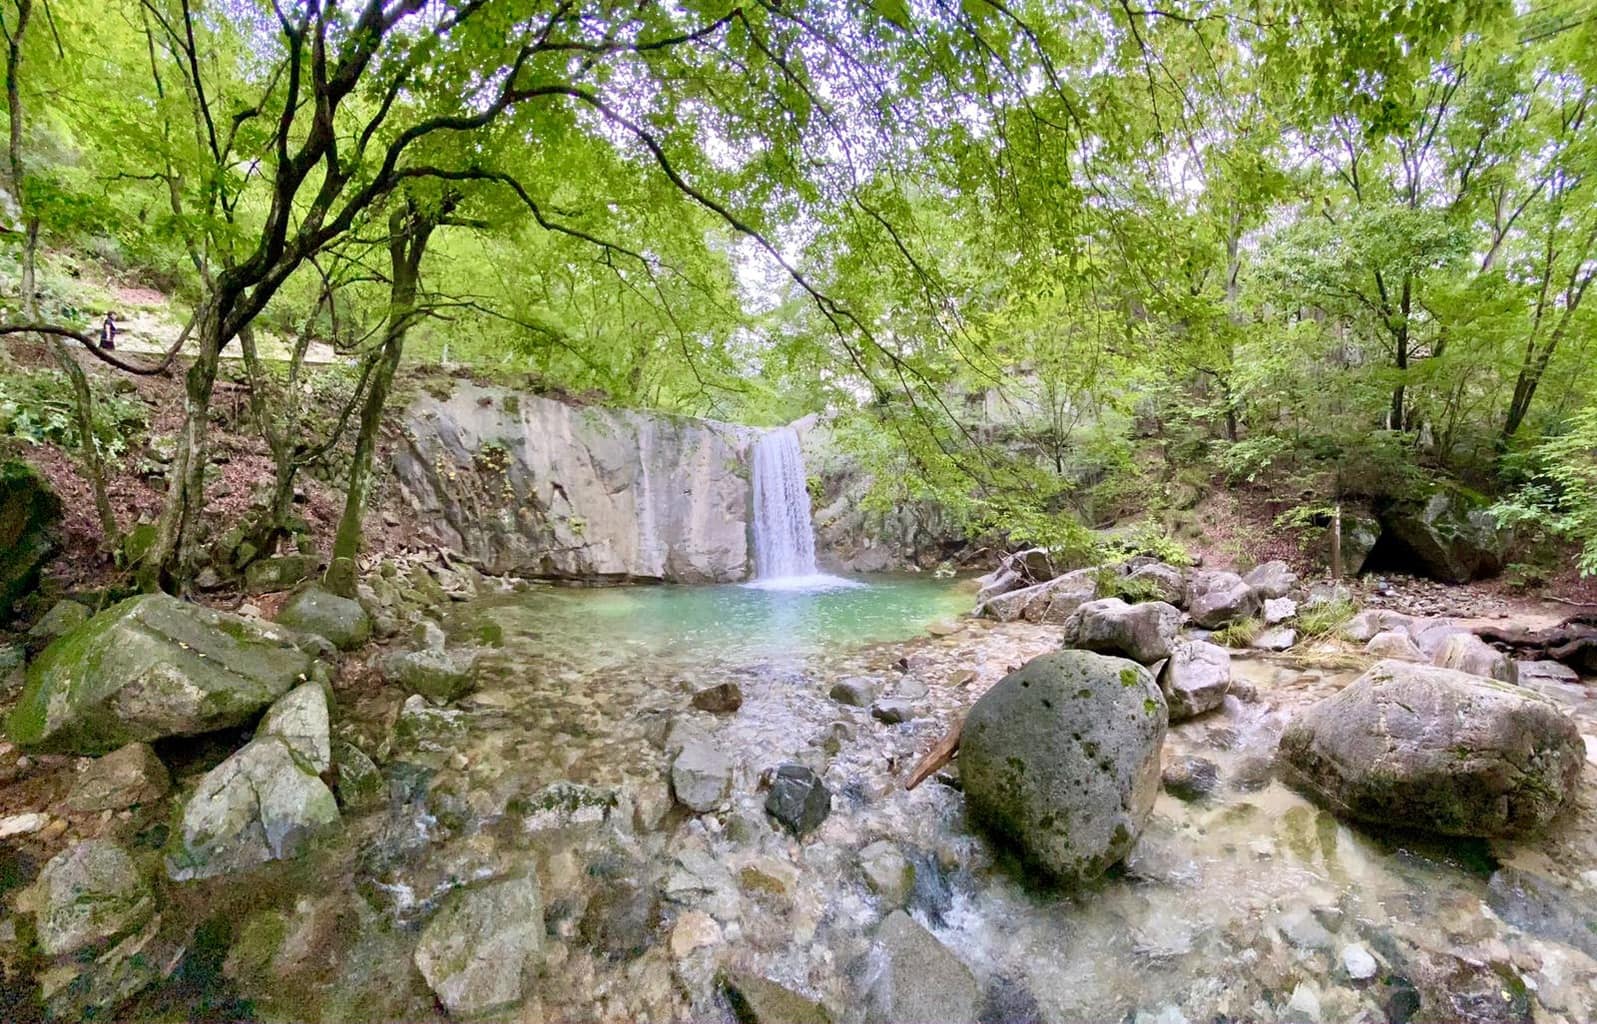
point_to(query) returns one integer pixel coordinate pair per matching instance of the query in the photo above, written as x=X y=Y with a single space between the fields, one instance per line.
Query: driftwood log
x=941 y=753
x=1573 y=641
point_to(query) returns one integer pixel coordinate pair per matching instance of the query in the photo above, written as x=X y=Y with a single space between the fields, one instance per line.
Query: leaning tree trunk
x=408 y=234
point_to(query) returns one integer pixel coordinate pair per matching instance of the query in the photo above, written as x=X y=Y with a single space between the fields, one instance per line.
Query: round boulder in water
x=1061 y=759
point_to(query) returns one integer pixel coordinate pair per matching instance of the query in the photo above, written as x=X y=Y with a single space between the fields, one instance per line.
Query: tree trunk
x=166 y=564
x=408 y=235
x=270 y=526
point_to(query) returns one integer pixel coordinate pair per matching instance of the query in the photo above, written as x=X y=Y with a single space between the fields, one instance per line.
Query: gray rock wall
x=538 y=487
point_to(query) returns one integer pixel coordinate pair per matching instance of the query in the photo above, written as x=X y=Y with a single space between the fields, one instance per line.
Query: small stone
x=943 y=627
x=1278 y=610
x=963 y=677
x=22 y=824
x=798 y=799
x=892 y=711
x=693 y=930
x=918 y=978
x=360 y=783
x=1190 y=778
x=1300 y=928
x=1304 y=1006
x=1277 y=638
x=1358 y=962
x=701 y=776
x=62 y=618
x=721 y=698
x=767 y=874
x=341 y=620
x=888 y=872
x=90 y=894
x=855 y=691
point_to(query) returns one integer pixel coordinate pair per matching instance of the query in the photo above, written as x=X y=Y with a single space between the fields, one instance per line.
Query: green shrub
x=1325 y=619
x=1240 y=633
x=39 y=407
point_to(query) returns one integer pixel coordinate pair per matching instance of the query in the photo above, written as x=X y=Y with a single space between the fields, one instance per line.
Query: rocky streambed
x=564 y=806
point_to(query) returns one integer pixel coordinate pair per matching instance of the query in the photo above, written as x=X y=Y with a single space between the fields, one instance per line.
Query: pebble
x=22 y=824
x=693 y=930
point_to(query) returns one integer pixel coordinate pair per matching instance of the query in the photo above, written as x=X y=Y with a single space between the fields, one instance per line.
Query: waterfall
x=784 y=538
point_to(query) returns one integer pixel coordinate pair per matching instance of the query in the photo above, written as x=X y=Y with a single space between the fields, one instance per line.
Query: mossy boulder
x=151 y=667
x=268 y=574
x=481 y=952
x=29 y=514
x=316 y=610
x=1061 y=760
x=1425 y=747
x=1449 y=537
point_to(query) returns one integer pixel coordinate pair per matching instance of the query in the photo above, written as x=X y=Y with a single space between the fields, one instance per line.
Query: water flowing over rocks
x=1061 y=759
x=1141 y=632
x=913 y=977
x=1416 y=746
x=701 y=776
x=478 y=950
x=152 y=667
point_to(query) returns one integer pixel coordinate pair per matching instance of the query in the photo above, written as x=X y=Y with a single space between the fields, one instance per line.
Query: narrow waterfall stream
x=784 y=536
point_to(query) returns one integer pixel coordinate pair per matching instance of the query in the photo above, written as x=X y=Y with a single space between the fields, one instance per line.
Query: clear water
x=729 y=624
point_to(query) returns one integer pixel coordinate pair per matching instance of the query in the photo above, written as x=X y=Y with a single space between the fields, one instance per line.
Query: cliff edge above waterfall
x=534 y=486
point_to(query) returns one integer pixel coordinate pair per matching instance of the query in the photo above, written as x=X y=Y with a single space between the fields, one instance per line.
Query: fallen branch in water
x=941 y=753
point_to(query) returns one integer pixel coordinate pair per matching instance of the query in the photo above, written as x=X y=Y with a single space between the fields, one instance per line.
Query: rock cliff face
x=537 y=487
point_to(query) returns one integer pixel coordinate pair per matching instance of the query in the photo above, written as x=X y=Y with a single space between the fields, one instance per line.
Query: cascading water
x=784 y=538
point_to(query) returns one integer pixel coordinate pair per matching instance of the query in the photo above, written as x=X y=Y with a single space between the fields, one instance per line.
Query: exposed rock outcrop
x=29 y=513
x=1061 y=759
x=1448 y=537
x=537 y=487
x=150 y=667
x=1417 y=746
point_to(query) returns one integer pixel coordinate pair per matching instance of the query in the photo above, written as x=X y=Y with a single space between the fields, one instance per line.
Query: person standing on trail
x=108 y=331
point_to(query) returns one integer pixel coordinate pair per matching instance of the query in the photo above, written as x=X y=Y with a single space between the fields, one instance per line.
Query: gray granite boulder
x=1418 y=746
x=1195 y=679
x=911 y=977
x=1142 y=632
x=481 y=951
x=1217 y=599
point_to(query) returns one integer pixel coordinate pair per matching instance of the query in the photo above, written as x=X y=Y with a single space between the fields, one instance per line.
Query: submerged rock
x=125 y=777
x=1195 y=679
x=1190 y=778
x=1220 y=598
x=321 y=612
x=798 y=799
x=150 y=667
x=701 y=776
x=913 y=977
x=264 y=803
x=1544 y=907
x=439 y=675
x=757 y=1000
x=1061 y=758
x=1467 y=652
x=1417 y=746
x=722 y=698
x=1141 y=632
x=888 y=872
x=481 y=949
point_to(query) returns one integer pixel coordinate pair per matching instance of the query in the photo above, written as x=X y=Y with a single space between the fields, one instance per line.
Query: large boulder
x=913 y=977
x=481 y=952
x=1467 y=652
x=1219 y=598
x=1165 y=582
x=1051 y=601
x=1418 y=746
x=262 y=804
x=316 y=610
x=1061 y=759
x=1141 y=632
x=1195 y=679
x=1272 y=579
x=1448 y=537
x=301 y=720
x=29 y=514
x=150 y=667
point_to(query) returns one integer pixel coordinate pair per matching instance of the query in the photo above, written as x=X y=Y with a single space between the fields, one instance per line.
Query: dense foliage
x=1340 y=248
